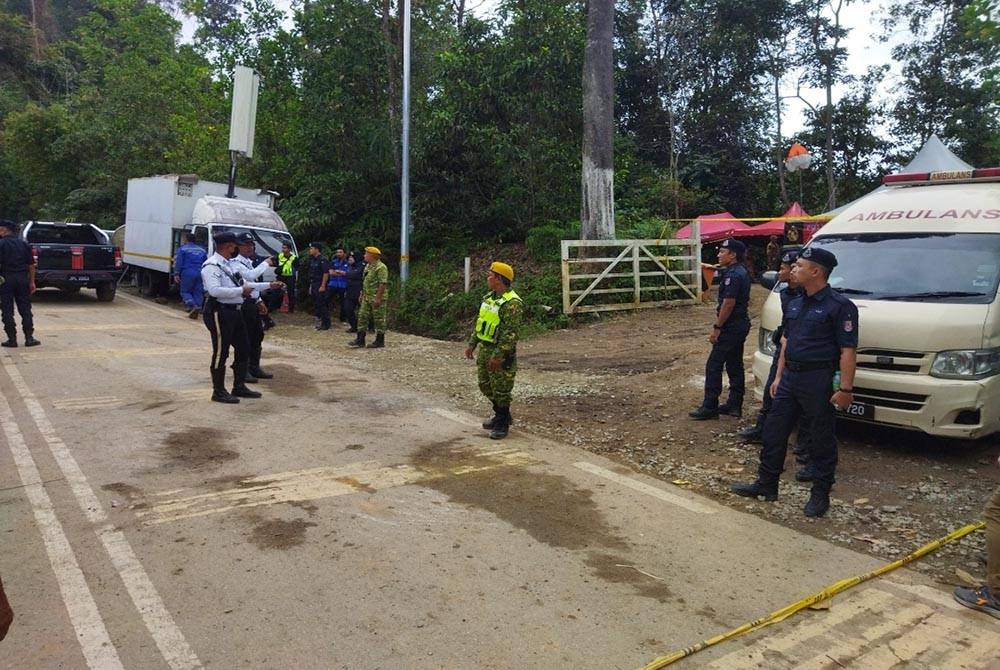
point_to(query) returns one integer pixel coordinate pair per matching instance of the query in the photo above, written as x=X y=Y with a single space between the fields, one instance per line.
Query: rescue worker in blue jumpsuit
x=729 y=333
x=820 y=336
x=187 y=273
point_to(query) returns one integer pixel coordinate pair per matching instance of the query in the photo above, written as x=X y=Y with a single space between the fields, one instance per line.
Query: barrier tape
x=825 y=594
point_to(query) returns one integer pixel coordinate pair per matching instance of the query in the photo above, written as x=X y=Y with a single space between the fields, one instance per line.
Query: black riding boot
x=219 y=392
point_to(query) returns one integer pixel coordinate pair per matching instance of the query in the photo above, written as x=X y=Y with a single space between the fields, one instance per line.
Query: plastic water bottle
x=836 y=381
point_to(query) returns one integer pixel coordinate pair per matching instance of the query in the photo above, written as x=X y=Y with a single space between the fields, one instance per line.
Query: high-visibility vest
x=285 y=264
x=489 y=315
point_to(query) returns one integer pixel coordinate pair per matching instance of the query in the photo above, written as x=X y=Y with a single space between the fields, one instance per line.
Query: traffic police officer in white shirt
x=253 y=309
x=224 y=294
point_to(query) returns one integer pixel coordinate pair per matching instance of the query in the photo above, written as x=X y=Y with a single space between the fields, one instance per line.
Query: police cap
x=820 y=257
x=244 y=238
x=735 y=246
x=789 y=257
x=7 y=223
x=318 y=246
x=223 y=237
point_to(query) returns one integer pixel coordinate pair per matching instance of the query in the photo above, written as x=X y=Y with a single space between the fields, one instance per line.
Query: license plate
x=860 y=410
x=79 y=278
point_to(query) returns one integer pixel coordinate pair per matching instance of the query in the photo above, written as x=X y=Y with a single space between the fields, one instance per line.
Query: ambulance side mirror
x=769 y=279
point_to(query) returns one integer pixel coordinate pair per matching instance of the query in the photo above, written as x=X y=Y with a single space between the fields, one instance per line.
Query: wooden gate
x=608 y=275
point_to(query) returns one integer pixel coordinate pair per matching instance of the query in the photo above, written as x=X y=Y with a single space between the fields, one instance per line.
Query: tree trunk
x=597 y=208
x=780 y=143
x=393 y=57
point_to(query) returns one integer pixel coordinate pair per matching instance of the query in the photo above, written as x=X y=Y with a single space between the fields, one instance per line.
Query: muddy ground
x=622 y=388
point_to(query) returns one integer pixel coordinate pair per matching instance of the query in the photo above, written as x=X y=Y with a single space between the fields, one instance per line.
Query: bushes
x=544 y=241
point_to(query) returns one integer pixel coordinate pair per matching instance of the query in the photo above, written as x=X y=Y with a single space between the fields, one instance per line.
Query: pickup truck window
x=916 y=267
x=40 y=233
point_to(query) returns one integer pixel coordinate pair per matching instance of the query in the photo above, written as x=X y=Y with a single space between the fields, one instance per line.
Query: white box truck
x=921 y=260
x=158 y=209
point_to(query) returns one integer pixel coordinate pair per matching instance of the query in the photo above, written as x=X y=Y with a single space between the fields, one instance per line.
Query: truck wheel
x=106 y=292
x=147 y=284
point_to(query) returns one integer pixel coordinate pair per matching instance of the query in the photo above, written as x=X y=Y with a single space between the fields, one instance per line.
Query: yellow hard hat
x=373 y=250
x=503 y=270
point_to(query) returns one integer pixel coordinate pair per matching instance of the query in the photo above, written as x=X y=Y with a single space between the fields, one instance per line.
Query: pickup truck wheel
x=106 y=292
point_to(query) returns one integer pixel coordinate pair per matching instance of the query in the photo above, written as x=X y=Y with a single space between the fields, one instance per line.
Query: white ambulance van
x=921 y=260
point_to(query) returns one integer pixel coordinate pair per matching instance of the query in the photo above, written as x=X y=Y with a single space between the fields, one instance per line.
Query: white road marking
x=103 y=401
x=642 y=487
x=95 y=643
x=176 y=314
x=168 y=637
x=117 y=352
x=462 y=419
x=315 y=484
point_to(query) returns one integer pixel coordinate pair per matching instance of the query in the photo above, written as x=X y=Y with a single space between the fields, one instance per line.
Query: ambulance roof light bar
x=912 y=178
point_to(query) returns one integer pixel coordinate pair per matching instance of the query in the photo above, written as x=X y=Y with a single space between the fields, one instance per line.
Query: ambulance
x=921 y=260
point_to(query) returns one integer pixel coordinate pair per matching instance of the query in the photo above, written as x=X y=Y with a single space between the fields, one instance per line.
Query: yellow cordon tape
x=825 y=594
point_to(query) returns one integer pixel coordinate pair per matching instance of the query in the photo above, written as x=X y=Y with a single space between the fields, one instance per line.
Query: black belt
x=223 y=305
x=797 y=366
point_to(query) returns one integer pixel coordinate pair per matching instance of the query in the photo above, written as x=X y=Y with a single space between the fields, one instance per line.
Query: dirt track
x=622 y=387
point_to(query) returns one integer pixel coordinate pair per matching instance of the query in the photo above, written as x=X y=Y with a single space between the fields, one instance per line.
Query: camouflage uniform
x=497 y=386
x=375 y=273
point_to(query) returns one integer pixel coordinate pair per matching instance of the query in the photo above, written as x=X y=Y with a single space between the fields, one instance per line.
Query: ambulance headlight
x=966 y=363
x=765 y=342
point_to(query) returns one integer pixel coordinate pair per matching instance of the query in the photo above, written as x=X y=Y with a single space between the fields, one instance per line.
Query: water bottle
x=836 y=381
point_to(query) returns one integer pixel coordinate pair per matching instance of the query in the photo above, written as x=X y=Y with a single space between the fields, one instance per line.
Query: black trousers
x=336 y=295
x=289 y=282
x=727 y=353
x=322 y=301
x=802 y=435
x=226 y=325
x=804 y=395
x=350 y=309
x=15 y=292
x=255 y=333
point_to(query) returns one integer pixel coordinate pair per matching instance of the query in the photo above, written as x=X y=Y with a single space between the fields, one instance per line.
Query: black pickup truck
x=71 y=256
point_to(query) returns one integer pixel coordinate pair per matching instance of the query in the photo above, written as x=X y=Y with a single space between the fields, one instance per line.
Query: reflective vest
x=489 y=315
x=285 y=264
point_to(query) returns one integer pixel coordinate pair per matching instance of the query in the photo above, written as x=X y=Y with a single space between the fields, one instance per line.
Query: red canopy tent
x=774 y=226
x=714 y=227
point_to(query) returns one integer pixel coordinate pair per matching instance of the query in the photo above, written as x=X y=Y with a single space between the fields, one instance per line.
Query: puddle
x=279 y=534
x=196 y=447
x=288 y=381
x=619 y=570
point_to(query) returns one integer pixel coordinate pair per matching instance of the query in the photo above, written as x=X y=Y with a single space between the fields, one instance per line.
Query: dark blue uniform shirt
x=319 y=268
x=735 y=283
x=818 y=326
x=785 y=294
x=15 y=255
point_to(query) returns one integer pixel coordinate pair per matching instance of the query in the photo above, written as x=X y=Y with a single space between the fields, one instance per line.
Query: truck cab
x=921 y=260
x=214 y=214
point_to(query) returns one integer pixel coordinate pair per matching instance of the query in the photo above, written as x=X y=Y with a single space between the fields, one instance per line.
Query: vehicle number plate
x=860 y=410
x=79 y=278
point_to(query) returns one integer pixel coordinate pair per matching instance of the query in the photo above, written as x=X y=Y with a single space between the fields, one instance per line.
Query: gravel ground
x=622 y=387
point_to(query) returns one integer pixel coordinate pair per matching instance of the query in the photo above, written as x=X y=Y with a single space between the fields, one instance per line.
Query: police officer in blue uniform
x=319 y=270
x=729 y=333
x=17 y=270
x=820 y=336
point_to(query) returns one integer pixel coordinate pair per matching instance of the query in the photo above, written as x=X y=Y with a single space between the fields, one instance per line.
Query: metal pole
x=233 y=158
x=468 y=273
x=404 y=188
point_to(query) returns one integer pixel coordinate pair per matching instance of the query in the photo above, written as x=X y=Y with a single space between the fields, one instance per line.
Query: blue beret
x=223 y=237
x=820 y=257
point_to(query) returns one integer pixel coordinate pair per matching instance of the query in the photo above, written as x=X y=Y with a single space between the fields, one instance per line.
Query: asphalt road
x=340 y=522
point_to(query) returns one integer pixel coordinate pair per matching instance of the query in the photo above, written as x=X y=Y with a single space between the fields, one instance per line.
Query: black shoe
x=752 y=434
x=805 y=475
x=731 y=410
x=703 y=413
x=250 y=379
x=756 y=490
x=9 y=343
x=379 y=342
x=260 y=374
x=224 y=396
x=501 y=424
x=244 y=392
x=819 y=502
x=322 y=327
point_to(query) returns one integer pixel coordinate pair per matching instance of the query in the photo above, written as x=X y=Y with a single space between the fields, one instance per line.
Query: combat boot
x=9 y=342
x=757 y=489
x=379 y=341
x=492 y=421
x=259 y=373
x=732 y=407
x=359 y=341
x=30 y=341
x=502 y=424
x=703 y=413
x=819 y=501
x=243 y=391
x=754 y=433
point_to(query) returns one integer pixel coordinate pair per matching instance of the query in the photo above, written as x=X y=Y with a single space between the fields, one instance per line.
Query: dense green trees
x=93 y=92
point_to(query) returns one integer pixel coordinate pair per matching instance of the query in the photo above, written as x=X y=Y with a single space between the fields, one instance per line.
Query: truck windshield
x=268 y=241
x=916 y=267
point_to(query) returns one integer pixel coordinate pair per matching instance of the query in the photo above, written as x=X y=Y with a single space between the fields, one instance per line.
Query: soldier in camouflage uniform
x=496 y=332
x=373 y=299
